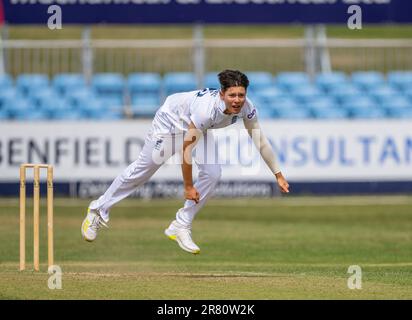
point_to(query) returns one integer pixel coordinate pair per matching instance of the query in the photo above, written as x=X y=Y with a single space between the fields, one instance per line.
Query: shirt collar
x=221 y=106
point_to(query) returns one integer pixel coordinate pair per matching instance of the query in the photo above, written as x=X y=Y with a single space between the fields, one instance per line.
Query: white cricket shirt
x=202 y=107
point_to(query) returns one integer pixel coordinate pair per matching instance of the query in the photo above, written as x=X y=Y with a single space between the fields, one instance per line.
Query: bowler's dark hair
x=232 y=78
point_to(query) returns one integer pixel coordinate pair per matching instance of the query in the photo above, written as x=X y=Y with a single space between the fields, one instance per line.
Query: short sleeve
x=200 y=115
x=250 y=111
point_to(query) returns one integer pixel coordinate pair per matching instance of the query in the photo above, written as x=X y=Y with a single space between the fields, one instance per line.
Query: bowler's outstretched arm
x=263 y=145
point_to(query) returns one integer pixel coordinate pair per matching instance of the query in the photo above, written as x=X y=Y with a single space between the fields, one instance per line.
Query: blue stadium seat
x=108 y=83
x=253 y=97
x=368 y=113
x=293 y=113
x=27 y=83
x=66 y=82
x=259 y=80
x=99 y=110
x=4 y=115
x=87 y=102
x=398 y=103
x=144 y=110
x=290 y=80
x=330 y=113
x=24 y=109
x=367 y=80
x=9 y=93
x=283 y=104
x=400 y=79
x=52 y=107
x=145 y=105
x=91 y=108
x=68 y=114
x=345 y=92
x=290 y=95
x=174 y=82
x=6 y=81
x=359 y=102
x=363 y=107
x=265 y=113
x=260 y=104
x=110 y=86
x=408 y=93
x=19 y=108
x=32 y=116
x=306 y=93
x=146 y=98
x=110 y=116
x=81 y=96
x=43 y=94
x=211 y=80
x=322 y=103
x=113 y=104
x=404 y=113
x=144 y=82
x=384 y=92
x=267 y=95
x=327 y=81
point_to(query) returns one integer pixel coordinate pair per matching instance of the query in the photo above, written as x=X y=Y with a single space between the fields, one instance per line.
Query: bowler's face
x=234 y=98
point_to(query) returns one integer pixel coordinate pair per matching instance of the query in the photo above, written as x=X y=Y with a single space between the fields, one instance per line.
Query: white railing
x=273 y=55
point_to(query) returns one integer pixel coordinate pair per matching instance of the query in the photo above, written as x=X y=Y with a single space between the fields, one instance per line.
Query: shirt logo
x=212 y=91
x=158 y=144
x=202 y=93
x=251 y=115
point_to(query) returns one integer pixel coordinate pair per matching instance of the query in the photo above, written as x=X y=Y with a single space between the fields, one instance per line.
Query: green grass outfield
x=288 y=248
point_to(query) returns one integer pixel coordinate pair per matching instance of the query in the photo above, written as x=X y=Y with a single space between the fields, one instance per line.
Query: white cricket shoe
x=183 y=236
x=91 y=224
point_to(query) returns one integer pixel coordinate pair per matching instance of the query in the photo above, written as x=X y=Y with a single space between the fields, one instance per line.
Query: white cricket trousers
x=155 y=152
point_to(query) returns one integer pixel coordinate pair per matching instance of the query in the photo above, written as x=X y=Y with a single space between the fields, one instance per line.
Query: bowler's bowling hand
x=282 y=183
x=192 y=194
